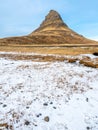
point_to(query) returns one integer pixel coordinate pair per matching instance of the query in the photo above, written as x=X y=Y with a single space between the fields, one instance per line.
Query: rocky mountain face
x=53 y=21
x=51 y=31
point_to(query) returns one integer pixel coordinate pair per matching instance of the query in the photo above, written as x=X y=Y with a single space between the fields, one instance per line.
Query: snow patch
x=66 y=93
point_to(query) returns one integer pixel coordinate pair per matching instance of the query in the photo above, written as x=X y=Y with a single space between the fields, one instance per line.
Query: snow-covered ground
x=48 y=96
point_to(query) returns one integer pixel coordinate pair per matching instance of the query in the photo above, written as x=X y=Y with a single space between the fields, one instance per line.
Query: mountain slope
x=52 y=31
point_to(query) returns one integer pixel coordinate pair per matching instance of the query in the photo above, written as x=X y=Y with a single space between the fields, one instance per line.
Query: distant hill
x=52 y=31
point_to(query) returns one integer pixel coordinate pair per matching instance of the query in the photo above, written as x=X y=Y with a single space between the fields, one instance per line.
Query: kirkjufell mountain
x=52 y=30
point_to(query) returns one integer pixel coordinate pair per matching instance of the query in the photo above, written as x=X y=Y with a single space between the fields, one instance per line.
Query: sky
x=21 y=17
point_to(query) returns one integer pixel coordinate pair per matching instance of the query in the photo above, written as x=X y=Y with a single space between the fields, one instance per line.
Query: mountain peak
x=53 y=19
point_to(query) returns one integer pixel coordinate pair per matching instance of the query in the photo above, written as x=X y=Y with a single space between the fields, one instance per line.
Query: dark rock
x=54 y=107
x=1 y=103
x=27 y=107
x=27 y=122
x=87 y=99
x=88 y=128
x=51 y=102
x=45 y=104
x=4 y=105
x=95 y=53
x=39 y=115
x=35 y=124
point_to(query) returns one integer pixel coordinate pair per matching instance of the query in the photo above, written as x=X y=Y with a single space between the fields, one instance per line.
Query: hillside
x=52 y=31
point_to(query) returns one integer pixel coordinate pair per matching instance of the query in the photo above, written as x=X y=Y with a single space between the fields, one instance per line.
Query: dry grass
x=50 y=50
x=89 y=63
x=86 y=61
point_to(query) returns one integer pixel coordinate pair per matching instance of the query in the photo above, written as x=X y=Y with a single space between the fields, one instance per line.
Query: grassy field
x=51 y=50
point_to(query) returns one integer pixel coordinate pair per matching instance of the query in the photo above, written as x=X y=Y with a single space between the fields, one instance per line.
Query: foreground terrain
x=47 y=95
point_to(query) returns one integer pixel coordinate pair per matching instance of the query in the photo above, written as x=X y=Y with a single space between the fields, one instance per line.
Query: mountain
x=53 y=21
x=51 y=31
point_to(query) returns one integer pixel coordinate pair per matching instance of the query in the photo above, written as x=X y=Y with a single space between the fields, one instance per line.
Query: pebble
x=39 y=115
x=46 y=118
x=45 y=104
x=51 y=102
x=87 y=99
x=88 y=128
x=4 y=105
x=27 y=122
x=54 y=107
x=27 y=107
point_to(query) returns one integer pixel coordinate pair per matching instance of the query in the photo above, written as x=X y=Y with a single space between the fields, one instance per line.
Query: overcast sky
x=21 y=17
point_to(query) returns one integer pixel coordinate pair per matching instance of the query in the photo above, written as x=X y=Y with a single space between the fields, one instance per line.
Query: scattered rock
x=39 y=115
x=27 y=122
x=46 y=118
x=88 y=128
x=34 y=124
x=87 y=99
x=27 y=107
x=1 y=103
x=4 y=105
x=51 y=102
x=11 y=127
x=54 y=107
x=45 y=104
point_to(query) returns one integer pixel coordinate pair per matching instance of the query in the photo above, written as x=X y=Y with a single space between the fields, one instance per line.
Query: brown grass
x=50 y=50
x=86 y=61
x=89 y=63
